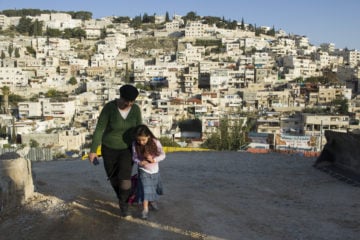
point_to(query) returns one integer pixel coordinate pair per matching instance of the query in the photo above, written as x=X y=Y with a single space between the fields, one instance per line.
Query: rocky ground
x=208 y=195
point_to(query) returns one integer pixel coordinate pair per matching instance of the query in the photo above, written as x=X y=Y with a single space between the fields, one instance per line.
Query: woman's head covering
x=128 y=92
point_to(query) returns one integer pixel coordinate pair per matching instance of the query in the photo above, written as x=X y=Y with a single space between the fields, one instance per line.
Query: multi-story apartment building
x=327 y=47
x=172 y=26
x=325 y=60
x=219 y=79
x=194 y=29
x=265 y=75
x=326 y=94
x=61 y=112
x=93 y=32
x=262 y=60
x=274 y=99
x=12 y=77
x=299 y=67
x=4 y=22
x=59 y=21
x=116 y=40
x=232 y=47
x=230 y=102
x=329 y=94
x=189 y=83
x=269 y=123
x=302 y=41
x=291 y=124
x=257 y=43
x=43 y=45
x=67 y=139
x=352 y=57
x=316 y=125
x=191 y=54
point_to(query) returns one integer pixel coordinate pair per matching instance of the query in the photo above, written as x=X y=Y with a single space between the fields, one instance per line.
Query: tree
x=36 y=28
x=72 y=81
x=52 y=32
x=33 y=143
x=341 y=106
x=31 y=51
x=103 y=33
x=230 y=135
x=232 y=25
x=271 y=32
x=136 y=22
x=14 y=99
x=24 y=25
x=165 y=141
x=167 y=18
x=67 y=33
x=53 y=93
x=191 y=16
x=224 y=134
x=79 y=33
x=17 y=53
x=10 y=49
x=242 y=26
x=5 y=91
x=2 y=54
x=212 y=142
x=145 y=18
x=121 y=20
x=83 y=15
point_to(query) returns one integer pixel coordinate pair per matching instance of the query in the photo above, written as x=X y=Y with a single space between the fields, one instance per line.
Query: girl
x=147 y=152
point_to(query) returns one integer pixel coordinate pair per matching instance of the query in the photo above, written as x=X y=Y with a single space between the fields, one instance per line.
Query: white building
x=194 y=29
x=92 y=33
x=116 y=40
x=4 y=22
x=352 y=57
x=13 y=77
x=300 y=66
x=62 y=112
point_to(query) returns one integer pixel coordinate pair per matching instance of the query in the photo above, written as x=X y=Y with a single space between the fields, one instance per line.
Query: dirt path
x=220 y=195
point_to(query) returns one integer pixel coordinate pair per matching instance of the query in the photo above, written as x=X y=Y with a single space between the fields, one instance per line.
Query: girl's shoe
x=144 y=214
x=154 y=206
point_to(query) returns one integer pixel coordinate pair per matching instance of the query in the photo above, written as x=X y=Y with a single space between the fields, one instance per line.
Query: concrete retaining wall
x=34 y=154
x=16 y=182
x=341 y=153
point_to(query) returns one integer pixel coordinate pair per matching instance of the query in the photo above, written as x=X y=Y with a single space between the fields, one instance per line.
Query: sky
x=321 y=21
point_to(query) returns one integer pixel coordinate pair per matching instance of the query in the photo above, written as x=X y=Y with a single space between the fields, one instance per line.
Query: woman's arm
x=135 y=156
x=100 y=128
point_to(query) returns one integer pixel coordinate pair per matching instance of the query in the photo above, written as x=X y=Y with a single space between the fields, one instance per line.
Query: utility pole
x=321 y=134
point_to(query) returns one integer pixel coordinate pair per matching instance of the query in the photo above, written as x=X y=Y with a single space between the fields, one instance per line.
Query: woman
x=114 y=131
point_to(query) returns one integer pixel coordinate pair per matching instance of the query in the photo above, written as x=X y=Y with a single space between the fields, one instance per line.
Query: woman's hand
x=92 y=157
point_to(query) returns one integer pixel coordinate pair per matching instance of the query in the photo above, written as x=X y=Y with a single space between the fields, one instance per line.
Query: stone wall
x=16 y=182
x=341 y=154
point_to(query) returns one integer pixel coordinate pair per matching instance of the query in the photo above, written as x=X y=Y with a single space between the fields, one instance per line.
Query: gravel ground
x=208 y=195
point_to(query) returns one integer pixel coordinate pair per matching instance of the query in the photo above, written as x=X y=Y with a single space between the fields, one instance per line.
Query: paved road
x=208 y=195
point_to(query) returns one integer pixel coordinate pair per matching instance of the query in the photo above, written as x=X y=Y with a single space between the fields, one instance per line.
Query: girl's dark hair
x=150 y=147
x=143 y=130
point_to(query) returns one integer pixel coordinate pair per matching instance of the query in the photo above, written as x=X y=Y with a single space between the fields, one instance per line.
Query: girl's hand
x=150 y=159
x=143 y=163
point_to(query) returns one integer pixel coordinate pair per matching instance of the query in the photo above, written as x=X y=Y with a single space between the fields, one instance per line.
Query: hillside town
x=272 y=89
